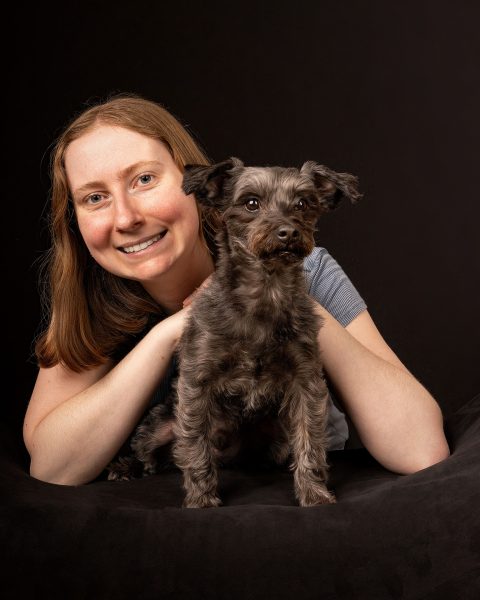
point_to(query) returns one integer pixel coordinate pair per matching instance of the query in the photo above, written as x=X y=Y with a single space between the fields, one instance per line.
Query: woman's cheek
x=173 y=206
x=95 y=232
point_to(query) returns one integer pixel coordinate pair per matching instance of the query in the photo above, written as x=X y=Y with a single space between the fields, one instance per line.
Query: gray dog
x=249 y=355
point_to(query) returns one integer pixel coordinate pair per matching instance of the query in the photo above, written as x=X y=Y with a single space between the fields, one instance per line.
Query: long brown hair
x=91 y=313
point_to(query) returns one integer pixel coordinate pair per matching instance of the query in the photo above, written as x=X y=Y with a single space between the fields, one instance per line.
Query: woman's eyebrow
x=126 y=172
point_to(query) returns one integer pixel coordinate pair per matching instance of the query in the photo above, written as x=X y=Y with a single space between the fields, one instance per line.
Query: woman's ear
x=332 y=187
x=206 y=182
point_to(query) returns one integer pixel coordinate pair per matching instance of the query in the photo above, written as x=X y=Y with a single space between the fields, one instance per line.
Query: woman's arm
x=76 y=422
x=397 y=419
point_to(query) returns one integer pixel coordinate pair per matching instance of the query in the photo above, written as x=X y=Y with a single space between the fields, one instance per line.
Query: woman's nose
x=127 y=214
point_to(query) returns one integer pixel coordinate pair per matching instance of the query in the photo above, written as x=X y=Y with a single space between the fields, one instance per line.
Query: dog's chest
x=251 y=359
x=254 y=377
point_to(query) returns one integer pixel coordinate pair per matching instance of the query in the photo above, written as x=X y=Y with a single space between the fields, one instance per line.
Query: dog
x=249 y=355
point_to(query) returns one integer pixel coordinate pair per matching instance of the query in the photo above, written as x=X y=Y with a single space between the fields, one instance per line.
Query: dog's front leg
x=193 y=450
x=307 y=416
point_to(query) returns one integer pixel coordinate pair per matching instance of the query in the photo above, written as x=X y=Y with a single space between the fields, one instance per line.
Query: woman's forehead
x=107 y=151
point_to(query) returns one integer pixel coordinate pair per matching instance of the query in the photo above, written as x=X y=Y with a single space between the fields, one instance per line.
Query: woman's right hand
x=189 y=299
x=174 y=324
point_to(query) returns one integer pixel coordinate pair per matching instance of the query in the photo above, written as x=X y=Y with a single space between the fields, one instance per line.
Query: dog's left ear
x=332 y=187
x=207 y=181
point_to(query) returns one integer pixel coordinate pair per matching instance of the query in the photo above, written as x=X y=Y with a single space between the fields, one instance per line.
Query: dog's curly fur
x=249 y=356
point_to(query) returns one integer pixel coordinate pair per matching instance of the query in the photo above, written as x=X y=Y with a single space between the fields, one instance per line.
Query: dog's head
x=271 y=212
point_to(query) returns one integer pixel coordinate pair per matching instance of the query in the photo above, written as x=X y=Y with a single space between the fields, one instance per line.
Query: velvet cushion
x=388 y=536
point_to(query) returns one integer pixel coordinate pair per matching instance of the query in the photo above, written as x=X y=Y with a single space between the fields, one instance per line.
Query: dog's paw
x=315 y=495
x=204 y=501
x=124 y=469
x=280 y=453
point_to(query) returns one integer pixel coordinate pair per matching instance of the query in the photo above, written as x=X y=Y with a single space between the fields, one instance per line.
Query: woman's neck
x=182 y=279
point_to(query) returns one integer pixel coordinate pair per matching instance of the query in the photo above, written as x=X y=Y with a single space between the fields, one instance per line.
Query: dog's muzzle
x=290 y=244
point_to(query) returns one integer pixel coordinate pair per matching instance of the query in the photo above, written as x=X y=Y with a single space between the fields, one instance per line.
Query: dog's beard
x=290 y=252
x=283 y=256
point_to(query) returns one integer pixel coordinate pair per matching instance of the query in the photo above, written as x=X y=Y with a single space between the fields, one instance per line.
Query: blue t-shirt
x=329 y=285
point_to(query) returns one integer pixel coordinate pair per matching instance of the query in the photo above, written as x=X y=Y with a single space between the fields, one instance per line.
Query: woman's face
x=132 y=213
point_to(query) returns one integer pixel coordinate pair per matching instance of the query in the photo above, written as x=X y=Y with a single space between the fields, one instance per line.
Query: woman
x=129 y=250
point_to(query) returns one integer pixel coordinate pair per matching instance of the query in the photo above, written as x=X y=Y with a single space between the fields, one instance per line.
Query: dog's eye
x=252 y=204
x=300 y=204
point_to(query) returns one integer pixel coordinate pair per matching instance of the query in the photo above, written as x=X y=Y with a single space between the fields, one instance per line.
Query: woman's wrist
x=171 y=328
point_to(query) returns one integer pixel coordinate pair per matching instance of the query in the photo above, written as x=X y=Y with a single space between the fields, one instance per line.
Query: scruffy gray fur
x=249 y=356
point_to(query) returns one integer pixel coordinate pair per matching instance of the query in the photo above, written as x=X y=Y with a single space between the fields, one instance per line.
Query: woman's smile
x=143 y=244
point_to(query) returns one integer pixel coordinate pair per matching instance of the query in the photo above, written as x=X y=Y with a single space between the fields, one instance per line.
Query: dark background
x=388 y=91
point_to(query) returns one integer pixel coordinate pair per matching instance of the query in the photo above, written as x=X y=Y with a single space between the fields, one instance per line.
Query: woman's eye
x=300 y=204
x=94 y=199
x=145 y=179
x=252 y=204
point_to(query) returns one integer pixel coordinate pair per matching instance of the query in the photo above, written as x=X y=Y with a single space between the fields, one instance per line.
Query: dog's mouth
x=287 y=254
x=294 y=253
x=270 y=248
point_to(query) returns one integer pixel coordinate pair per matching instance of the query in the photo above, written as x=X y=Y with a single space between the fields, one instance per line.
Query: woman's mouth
x=142 y=245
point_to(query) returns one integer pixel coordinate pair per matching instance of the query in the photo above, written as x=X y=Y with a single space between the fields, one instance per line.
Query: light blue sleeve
x=330 y=286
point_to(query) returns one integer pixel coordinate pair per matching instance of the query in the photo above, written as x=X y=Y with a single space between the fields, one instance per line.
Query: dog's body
x=249 y=353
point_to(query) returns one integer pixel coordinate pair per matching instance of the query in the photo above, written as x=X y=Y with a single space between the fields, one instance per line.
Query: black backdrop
x=386 y=90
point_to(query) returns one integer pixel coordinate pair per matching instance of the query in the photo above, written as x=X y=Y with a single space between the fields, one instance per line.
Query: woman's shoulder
x=316 y=257
x=328 y=283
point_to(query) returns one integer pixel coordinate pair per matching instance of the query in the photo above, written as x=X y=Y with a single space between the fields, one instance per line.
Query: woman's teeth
x=143 y=245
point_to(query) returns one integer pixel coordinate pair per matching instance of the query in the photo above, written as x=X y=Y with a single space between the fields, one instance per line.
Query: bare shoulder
x=54 y=386
x=364 y=330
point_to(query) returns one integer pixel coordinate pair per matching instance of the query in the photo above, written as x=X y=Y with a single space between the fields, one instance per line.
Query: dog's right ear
x=207 y=181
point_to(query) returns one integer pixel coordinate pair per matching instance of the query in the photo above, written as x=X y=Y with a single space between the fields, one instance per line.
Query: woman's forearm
x=397 y=419
x=74 y=442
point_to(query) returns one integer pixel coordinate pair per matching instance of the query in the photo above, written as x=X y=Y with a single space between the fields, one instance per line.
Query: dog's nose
x=285 y=233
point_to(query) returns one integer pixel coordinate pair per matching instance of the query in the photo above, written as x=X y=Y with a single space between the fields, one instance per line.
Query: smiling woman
x=133 y=215
x=129 y=249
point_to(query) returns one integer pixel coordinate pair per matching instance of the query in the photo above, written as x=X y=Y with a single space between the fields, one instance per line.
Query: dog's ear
x=332 y=187
x=207 y=181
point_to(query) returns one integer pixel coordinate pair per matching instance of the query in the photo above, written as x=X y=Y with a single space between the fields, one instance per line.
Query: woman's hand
x=189 y=299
